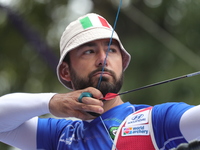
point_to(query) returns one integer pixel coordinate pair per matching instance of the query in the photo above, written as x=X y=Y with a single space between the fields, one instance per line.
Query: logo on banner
x=136 y=130
x=136 y=119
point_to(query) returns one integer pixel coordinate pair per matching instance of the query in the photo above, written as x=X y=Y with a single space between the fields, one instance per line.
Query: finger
x=95 y=101
x=89 y=108
x=95 y=92
x=84 y=94
x=92 y=101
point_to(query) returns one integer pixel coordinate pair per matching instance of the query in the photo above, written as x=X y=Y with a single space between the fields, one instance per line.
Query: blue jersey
x=62 y=134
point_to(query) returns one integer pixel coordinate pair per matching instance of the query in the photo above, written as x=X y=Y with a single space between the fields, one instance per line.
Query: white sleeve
x=23 y=137
x=190 y=124
x=17 y=108
x=18 y=121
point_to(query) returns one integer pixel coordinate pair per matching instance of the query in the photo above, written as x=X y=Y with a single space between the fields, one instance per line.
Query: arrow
x=110 y=96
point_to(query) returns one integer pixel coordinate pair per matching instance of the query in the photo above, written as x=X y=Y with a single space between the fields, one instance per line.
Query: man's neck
x=112 y=103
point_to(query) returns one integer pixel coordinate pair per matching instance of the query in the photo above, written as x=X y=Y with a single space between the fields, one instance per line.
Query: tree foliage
x=161 y=35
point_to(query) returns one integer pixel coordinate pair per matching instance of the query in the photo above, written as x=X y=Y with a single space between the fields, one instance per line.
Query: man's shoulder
x=171 y=109
x=173 y=105
x=165 y=106
x=140 y=106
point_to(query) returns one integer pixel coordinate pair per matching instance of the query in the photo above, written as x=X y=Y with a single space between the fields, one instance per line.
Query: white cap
x=87 y=28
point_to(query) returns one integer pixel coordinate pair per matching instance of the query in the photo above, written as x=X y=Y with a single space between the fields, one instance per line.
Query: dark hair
x=67 y=59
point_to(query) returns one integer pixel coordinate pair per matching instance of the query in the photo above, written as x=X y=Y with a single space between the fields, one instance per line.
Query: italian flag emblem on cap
x=94 y=21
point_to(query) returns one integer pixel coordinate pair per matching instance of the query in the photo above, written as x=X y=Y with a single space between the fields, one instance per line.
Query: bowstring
x=104 y=64
x=108 y=133
x=105 y=60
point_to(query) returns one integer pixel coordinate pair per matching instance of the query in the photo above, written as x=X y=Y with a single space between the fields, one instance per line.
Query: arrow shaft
x=162 y=82
x=193 y=74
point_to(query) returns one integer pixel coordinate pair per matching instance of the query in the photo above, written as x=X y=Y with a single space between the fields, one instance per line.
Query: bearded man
x=104 y=124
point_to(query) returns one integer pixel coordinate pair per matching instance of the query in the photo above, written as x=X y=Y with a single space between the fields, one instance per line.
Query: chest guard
x=136 y=132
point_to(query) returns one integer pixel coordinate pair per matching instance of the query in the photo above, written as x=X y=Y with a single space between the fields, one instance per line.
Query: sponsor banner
x=136 y=130
x=136 y=119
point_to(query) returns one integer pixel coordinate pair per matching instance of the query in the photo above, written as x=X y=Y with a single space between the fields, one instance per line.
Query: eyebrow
x=91 y=44
x=113 y=42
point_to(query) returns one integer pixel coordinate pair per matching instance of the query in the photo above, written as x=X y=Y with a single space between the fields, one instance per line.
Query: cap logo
x=93 y=21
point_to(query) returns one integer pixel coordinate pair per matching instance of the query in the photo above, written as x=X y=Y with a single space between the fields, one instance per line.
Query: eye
x=112 y=50
x=87 y=52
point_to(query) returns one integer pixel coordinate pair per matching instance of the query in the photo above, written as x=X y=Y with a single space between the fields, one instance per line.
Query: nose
x=101 y=59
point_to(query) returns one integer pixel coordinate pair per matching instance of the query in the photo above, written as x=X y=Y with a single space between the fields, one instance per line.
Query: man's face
x=87 y=61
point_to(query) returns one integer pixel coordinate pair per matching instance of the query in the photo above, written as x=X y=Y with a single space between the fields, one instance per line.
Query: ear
x=64 y=71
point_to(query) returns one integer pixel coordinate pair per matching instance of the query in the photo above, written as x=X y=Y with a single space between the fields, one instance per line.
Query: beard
x=104 y=85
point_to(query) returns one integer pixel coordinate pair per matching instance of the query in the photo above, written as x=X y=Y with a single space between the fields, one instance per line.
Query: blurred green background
x=163 y=37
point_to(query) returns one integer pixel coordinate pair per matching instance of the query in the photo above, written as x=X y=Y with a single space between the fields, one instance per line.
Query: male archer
x=83 y=48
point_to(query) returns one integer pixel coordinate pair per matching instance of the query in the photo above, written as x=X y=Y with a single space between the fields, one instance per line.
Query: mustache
x=100 y=70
